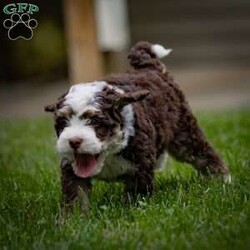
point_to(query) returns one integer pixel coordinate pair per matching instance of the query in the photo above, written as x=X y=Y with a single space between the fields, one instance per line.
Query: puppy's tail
x=145 y=55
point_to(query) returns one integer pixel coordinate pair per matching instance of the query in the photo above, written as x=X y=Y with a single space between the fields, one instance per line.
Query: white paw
x=227 y=178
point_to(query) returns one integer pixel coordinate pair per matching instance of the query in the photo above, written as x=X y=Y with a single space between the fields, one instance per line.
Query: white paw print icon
x=20 y=26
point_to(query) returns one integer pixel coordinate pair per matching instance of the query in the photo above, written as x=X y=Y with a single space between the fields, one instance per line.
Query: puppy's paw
x=227 y=178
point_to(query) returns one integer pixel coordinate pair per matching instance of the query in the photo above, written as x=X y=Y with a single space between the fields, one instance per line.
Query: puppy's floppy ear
x=50 y=108
x=53 y=107
x=127 y=98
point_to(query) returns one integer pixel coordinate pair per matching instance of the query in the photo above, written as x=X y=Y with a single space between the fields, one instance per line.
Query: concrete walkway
x=213 y=89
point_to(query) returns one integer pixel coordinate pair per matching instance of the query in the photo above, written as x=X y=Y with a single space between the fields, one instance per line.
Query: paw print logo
x=20 y=26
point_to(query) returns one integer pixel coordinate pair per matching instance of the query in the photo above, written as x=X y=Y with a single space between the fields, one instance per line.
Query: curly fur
x=162 y=122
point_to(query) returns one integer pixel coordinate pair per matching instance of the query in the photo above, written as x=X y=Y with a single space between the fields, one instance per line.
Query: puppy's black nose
x=75 y=142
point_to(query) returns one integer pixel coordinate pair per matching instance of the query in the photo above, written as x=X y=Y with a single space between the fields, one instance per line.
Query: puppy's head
x=92 y=121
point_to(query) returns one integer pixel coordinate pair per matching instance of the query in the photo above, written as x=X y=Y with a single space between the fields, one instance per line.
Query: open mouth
x=85 y=164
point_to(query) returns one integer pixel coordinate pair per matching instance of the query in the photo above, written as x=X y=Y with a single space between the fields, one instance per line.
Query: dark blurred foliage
x=41 y=58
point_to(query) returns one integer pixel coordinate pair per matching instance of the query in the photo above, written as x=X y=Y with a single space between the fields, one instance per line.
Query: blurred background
x=82 y=40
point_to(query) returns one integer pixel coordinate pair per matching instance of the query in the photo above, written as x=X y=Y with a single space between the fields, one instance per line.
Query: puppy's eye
x=62 y=121
x=102 y=131
x=94 y=122
x=60 y=124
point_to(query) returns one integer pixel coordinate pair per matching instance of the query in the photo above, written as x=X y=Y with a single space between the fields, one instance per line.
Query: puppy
x=122 y=127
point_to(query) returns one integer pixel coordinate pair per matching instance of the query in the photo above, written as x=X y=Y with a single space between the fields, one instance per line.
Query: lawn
x=186 y=212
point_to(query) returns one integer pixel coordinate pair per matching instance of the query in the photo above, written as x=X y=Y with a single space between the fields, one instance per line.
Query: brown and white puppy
x=122 y=127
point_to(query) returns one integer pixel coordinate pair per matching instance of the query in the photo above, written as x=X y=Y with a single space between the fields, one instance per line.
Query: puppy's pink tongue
x=85 y=165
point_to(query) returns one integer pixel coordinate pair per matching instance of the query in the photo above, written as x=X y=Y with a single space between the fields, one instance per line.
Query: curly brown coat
x=163 y=121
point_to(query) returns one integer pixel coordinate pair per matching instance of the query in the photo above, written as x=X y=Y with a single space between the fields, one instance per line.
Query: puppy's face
x=90 y=122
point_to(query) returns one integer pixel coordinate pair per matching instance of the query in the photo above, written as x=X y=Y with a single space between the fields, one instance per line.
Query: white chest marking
x=114 y=166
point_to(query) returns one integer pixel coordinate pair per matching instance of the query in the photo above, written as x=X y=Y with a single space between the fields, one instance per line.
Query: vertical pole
x=84 y=57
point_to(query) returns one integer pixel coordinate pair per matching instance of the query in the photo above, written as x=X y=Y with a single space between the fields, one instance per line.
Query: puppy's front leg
x=74 y=189
x=141 y=184
x=83 y=193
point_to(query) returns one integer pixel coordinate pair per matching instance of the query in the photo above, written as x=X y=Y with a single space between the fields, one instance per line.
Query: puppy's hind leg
x=190 y=145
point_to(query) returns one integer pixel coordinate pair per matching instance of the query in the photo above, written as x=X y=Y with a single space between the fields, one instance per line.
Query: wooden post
x=84 y=57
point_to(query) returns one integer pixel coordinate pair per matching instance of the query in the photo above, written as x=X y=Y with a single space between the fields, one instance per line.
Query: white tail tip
x=160 y=51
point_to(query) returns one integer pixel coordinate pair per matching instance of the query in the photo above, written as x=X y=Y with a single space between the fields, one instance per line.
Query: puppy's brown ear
x=127 y=98
x=54 y=107
x=50 y=108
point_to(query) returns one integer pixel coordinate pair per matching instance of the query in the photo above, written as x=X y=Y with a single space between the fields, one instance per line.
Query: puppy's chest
x=115 y=166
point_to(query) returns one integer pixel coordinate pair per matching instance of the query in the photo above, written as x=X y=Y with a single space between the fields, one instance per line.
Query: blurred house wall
x=202 y=33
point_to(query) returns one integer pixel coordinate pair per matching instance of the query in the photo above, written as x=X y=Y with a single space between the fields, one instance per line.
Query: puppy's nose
x=75 y=142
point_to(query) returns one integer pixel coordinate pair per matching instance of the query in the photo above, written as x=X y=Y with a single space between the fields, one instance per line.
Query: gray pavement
x=206 y=89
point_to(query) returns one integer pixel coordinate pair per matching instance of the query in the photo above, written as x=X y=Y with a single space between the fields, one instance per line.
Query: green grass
x=185 y=213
